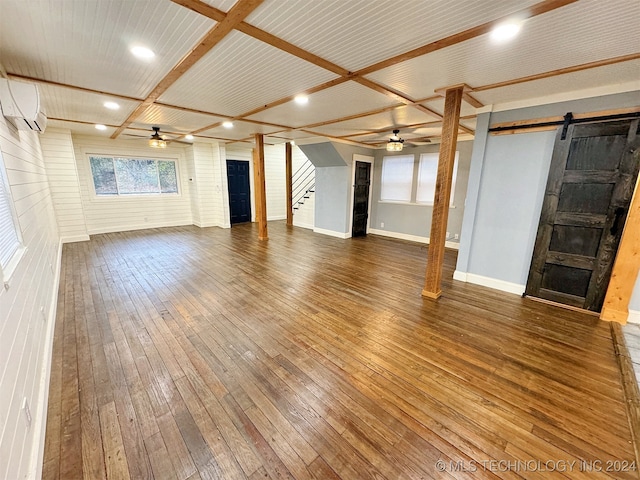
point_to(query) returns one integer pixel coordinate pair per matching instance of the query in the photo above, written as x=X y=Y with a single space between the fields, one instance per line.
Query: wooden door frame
x=626 y=266
x=364 y=159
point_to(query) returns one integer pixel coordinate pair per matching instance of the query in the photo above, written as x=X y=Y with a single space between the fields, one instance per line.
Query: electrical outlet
x=448 y=235
x=381 y=224
x=26 y=411
x=456 y=236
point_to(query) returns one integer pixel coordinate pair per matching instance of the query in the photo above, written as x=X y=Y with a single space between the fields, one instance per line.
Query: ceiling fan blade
x=136 y=136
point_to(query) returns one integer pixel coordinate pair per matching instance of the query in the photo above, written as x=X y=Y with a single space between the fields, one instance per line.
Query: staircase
x=303 y=184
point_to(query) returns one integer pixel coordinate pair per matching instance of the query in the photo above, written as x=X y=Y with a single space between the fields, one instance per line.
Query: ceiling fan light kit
x=156 y=141
x=395 y=143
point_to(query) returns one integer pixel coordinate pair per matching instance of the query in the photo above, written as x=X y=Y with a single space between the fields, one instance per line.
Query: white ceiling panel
x=175 y=119
x=241 y=74
x=357 y=33
x=80 y=128
x=396 y=118
x=583 y=80
x=340 y=101
x=438 y=106
x=239 y=131
x=224 y=5
x=586 y=31
x=69 y=104
x=86 y=43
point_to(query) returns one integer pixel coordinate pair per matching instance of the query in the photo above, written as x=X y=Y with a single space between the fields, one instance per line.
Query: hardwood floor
x=203 y=353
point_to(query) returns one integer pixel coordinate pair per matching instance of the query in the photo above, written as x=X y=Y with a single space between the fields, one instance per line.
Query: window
x=11 y=248
x=427 y=173
x=133 y=176
x=397 y=178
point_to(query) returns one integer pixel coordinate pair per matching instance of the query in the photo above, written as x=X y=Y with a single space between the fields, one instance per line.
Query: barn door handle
x=616 y=221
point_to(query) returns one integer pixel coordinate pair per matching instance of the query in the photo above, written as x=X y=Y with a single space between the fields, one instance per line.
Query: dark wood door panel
x=362 y=183
x=239 y=191
x=589 y=188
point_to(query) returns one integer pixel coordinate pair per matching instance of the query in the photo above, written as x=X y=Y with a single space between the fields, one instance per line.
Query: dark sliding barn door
x=239 y=191
x=591 y=180
x=361 y=199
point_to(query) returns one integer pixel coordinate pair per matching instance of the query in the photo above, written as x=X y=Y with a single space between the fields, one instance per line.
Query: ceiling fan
x=156 y=139
x=396 y=143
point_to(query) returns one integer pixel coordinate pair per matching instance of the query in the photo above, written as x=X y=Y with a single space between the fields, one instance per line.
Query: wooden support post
x=440 y=215
x=259 y=183
x=288 y=159
x=626 y=267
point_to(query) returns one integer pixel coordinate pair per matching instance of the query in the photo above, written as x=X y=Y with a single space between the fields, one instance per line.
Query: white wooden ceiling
x=352 y=57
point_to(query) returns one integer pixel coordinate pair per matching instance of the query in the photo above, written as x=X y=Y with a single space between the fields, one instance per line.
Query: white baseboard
x=494 y=283
x=303 y=225
x=331 y=233
x=40 y=417
x=634 y=316
x=75 y=238
x=276 y=217
x=411 y=238
x=461 y=276
x=129 y=228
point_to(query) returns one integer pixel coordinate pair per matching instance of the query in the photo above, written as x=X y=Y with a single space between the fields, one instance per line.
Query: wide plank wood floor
x=187 y=353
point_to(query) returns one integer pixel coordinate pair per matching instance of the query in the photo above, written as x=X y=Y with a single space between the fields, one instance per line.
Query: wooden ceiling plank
x=537 y=9
x=333 y=137
x=73 y=87
x=560 y=71
x=237 y=14
x=354 y=116
x=428 y=111
x=324 y=86
x=384 y=90
x=259 y=34
x=471 y=100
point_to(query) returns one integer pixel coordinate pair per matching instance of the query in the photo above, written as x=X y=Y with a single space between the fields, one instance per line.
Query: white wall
x=207 y=176
x=131 y=213
x=26 y=332
x=62 y=172
x=274 y=175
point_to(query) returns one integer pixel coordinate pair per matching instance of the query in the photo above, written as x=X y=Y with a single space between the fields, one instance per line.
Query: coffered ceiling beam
x=560 y=71
x=218 y=15
x=537 y=9
x=237 y=13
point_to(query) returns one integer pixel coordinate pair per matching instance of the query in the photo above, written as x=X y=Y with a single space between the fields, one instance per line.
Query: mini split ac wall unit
x=20 y=102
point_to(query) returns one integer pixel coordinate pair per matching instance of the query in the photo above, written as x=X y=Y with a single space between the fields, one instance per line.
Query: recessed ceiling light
x=227 y=124
x=189 y=137
x=142 y=52
x=301 y=99
x=292 y=142
x=101 y=127
x=111 y=105
x=505 y=31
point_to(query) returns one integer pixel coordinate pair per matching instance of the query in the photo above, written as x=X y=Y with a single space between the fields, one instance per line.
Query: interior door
x=591 y=180
x=362 y=184
x=239 y=191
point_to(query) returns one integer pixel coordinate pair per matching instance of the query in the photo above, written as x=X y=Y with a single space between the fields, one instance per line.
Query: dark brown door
x=361 y=199
x=591 y=180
